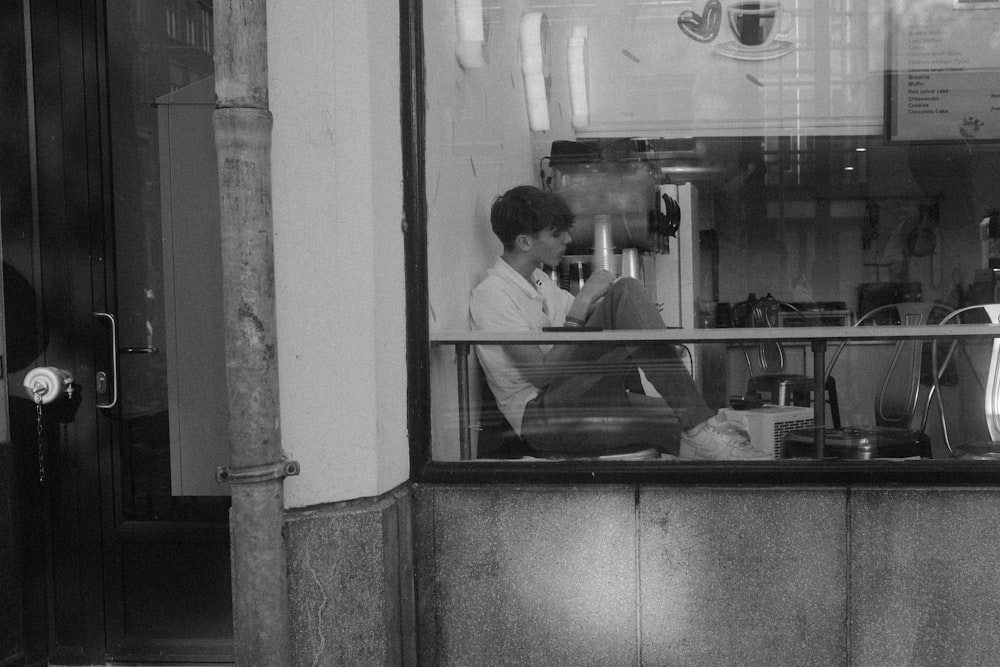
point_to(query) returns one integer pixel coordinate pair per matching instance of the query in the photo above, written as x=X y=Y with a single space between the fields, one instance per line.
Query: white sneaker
x=718 y=439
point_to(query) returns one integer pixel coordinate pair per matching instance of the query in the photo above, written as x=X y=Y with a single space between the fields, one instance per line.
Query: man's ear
x=523 y=242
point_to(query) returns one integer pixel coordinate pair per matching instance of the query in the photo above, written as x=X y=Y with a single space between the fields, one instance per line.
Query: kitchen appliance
x=619 y=190
x=876 y=295
x=625 y=208
x=816 y=314
x=769 y=424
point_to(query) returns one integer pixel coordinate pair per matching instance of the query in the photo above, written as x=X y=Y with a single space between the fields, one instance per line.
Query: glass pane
x=752 y=165
x=161 y=96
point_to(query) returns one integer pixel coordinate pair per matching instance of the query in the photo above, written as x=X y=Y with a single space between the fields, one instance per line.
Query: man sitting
x=536 y=386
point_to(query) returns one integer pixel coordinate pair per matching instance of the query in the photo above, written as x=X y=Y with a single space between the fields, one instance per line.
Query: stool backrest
x=980 y=313
x=899 y=390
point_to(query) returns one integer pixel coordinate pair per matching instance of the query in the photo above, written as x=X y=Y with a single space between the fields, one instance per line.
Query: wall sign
x=734 y=67
x=943 y=74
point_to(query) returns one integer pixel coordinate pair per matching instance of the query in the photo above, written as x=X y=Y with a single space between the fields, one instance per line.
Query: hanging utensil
x=922 y=239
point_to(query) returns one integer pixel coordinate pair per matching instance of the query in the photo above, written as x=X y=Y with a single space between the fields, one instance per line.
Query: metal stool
x=895 y=401
x=861 y=443
x=984 y=450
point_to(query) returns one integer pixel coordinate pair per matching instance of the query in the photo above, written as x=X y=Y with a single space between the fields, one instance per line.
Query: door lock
x=101 y=381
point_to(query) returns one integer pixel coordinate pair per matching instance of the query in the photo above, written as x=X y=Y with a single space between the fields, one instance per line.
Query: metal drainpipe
x=242 y=124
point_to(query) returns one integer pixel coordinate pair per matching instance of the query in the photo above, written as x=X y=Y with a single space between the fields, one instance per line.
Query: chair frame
x=911 y=314
x=772 y=368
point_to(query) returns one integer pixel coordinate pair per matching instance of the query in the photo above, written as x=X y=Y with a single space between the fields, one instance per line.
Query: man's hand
x=597 y=285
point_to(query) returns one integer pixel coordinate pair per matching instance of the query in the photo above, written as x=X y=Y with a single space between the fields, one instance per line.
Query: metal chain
x=41 y=440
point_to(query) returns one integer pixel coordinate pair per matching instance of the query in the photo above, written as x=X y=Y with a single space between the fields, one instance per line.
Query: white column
x=337 y=183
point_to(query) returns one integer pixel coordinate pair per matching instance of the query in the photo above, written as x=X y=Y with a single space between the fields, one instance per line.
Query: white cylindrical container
x=577 y=276
x=630 y=263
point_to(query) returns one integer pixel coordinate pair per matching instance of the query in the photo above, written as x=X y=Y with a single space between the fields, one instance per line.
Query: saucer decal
x=735 y=50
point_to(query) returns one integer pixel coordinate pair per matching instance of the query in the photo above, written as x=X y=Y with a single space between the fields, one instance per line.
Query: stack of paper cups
x=604 y=249
x=630 y=263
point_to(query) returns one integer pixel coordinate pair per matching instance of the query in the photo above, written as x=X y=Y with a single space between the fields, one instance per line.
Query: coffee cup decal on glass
x=756 y=24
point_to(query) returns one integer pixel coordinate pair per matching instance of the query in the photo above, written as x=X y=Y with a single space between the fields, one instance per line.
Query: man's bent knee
x=628 y=288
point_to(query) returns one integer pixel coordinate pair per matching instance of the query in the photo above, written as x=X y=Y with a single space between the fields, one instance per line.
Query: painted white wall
x=337 y=198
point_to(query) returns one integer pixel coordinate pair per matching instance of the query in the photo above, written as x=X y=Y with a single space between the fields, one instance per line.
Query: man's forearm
x=581 y=309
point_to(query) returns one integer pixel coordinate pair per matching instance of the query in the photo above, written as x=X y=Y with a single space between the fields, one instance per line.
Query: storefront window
x=769 y=174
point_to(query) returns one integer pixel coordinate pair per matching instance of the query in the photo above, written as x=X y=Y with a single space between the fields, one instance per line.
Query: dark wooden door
x=21 y=347
x=118 y=560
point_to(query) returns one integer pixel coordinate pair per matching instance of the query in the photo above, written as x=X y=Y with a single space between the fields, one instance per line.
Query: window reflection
x=157 y=48
x=833 y=157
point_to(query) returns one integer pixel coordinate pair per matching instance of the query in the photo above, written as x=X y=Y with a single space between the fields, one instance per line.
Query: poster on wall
x=730 y=67
x=943 y=74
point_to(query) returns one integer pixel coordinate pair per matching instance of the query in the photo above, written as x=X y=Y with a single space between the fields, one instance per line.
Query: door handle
x=47 y=383
x=112 y=380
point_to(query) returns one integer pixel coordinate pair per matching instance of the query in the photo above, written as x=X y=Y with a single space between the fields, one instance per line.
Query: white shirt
x=506 y=302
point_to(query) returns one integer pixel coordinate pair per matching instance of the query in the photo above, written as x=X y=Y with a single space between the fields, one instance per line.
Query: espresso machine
x=630 y=219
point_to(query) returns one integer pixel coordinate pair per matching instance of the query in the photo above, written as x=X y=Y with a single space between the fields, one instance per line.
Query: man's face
x=549 y=245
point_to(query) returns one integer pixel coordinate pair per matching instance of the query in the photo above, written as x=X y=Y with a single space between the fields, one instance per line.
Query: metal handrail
x=734 y=335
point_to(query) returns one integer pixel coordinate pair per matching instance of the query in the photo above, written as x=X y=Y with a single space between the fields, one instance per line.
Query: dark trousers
x=586 y=405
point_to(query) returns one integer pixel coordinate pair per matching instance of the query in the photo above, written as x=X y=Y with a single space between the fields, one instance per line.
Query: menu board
x=943 y=79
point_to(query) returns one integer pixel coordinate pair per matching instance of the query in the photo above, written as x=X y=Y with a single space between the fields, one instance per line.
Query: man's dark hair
x=526 y=209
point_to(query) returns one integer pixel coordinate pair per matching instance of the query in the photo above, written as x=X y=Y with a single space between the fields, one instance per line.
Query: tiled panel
x=533 y=576
x=925 y=577
x=350 y=598
x=743 y=576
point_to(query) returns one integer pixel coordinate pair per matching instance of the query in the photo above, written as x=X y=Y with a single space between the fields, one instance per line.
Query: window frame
x=423 y=469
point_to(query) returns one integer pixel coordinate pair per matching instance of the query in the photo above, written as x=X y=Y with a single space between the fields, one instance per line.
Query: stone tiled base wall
x=619 y=575
x=350 y=582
